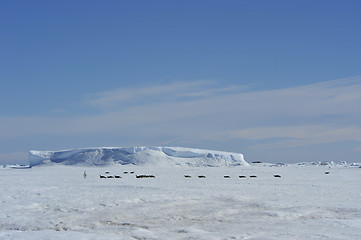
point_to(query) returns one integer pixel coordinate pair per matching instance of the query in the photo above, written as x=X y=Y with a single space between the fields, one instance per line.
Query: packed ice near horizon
x=176 y=193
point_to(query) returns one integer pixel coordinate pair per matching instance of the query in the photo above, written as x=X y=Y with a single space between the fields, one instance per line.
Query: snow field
x=56 y=202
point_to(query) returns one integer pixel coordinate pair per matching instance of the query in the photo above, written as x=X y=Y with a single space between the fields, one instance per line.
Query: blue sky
x=278 y=81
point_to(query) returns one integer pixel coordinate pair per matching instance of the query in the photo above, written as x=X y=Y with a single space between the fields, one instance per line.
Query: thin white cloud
x=316 y=113
x=294 y=136
x=165 y=92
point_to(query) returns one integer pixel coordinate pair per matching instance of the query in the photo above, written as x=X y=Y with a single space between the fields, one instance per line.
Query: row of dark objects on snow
x=241 y=176
x=118 y=176
x=113 y=176
x=227 y=176
x=186 y=176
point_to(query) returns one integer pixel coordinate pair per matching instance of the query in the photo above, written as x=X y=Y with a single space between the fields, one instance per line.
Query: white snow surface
x=159 y=156
x=57 y=202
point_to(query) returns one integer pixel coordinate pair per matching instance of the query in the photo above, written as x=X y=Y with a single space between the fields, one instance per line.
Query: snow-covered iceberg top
x=159 y=156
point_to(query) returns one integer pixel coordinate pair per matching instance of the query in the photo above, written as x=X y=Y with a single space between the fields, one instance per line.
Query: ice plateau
x=158 y=156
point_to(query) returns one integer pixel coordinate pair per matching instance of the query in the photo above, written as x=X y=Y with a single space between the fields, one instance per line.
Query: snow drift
x=160 y=156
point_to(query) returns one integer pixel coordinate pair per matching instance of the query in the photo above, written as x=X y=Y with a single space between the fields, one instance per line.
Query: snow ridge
x=158 y=156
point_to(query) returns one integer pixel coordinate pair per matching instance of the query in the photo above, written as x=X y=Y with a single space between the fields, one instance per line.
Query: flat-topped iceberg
x=159 y=156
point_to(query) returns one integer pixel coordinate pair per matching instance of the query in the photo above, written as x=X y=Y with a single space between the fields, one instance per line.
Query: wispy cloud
x=202 y=111
x=295 y=136
x=301 y=116
x=166 y=92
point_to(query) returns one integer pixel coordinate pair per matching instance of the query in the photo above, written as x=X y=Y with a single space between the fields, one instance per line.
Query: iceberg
x=159 y=156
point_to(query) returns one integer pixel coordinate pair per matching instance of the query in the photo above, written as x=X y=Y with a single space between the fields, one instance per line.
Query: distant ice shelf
x=158 y=156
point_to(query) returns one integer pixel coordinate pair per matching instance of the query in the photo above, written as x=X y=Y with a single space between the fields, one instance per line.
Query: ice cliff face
x=159 y=156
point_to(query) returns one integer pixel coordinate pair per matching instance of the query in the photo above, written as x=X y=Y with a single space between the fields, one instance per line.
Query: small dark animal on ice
x=226 y=176
x=253 y=176
x=187 y=176
x=278 y=176
x=201 y=176
x=145 y=176
x=242 y=176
